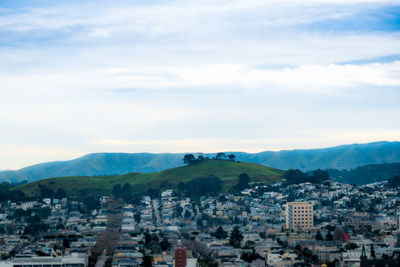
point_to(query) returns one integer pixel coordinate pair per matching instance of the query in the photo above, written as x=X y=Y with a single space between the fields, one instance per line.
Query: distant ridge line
x=338 y=157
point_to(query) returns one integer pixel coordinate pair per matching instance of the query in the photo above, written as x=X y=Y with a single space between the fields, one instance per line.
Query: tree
x=329 y=236
x=90 y=203
x=243 y=180
x=295 y=176
x=220 y=155
x=319 y=176
x=178 y=211
x=236 y=237
x=250 y=244
x=220 y=233
x=137 y=217
x=189 y=159
x=147 y=238
x=147 y=261
x=318 y=236
x=153 y=192
x=203 y=186
x=394 y=181
x=126 y=188
x=187 y=214
x=373 y=251
x=116 y=191
x=263 y=235
x=350 y=246
x=165 y=245
x=60 y=193
x=45 y=191
x=66 y=243
x=181 y=187
x=249 y=256
x=18 y=195
x=231 y=157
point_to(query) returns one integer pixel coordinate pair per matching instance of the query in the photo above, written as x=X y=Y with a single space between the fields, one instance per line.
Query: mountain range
x=339 y=157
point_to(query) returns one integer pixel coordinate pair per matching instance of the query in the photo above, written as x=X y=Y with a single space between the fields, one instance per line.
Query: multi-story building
x=299 y=215
x=31 y=260
x=180 y=257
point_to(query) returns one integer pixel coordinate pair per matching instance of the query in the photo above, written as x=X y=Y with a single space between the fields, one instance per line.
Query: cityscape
x=200 y=133
x=320 y=223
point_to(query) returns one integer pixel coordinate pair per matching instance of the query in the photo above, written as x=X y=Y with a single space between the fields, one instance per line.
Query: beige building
x=299 y=215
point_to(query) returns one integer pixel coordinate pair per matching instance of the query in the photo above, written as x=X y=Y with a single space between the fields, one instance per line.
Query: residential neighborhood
x=325 y=224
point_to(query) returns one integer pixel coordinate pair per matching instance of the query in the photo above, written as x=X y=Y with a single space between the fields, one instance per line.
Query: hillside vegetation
x=227 y=171
x=340 y=157
x=366 y=174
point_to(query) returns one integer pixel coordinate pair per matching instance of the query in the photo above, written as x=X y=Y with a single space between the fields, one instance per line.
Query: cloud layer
x=195 y=76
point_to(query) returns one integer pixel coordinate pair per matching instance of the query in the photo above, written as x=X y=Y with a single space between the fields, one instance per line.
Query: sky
x=79 y=77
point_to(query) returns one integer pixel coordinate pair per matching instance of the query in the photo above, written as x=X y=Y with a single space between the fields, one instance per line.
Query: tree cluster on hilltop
x=298 y=177
x=190 y=159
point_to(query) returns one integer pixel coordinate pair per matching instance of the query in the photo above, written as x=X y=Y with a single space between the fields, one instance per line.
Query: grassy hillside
x=227 y=171
x=340 y=157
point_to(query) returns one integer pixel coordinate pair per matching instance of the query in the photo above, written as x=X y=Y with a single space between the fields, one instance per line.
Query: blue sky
x=202 y=76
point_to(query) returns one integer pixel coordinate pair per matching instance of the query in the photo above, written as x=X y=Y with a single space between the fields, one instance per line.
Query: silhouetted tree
x=153 y=192
x=319 y=176
x=137 y=217
x=189 y=159
x=231 y=157
x=165 y=245
x=147 y=238
x=147 y=261
x=220 y=155
x=243 y=180
x=187 y=214
x=66 y=243
x=318 y=236
x=236 y=237
x=117 y=191
x=394 y=181
x=181 y=187
x=203 y=186
x=220 y=233
x=329 y=236
x=249 y=256
x=373 y=251
x=295 y=176
x=60 y=193
x=45 y=191
x=350 y=246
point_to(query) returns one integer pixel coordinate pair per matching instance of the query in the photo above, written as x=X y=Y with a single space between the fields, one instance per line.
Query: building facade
x=299 y=215
x=180 y=257
x=73 y=260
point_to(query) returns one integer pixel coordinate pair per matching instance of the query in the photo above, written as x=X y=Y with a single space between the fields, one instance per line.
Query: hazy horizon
x=177 y=76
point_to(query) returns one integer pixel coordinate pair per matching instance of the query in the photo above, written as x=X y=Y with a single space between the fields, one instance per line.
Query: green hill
x=227 y=171
x=340 y=157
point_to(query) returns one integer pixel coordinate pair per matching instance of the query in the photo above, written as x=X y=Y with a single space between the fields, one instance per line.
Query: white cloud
x=191 y=76
x=315 y=78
